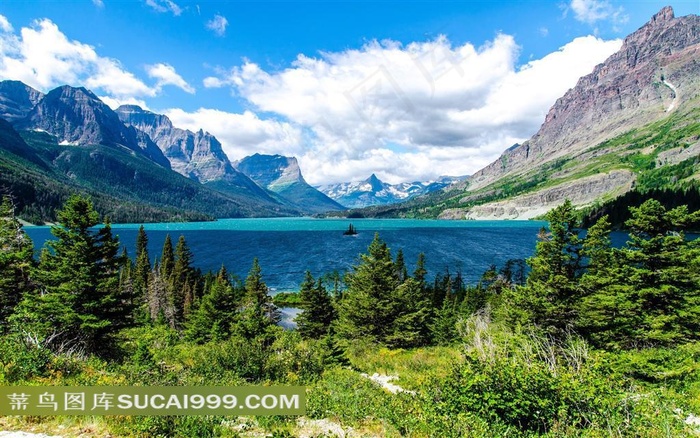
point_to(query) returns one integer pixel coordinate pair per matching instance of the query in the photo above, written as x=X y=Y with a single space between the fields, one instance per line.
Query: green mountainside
x=40 y=175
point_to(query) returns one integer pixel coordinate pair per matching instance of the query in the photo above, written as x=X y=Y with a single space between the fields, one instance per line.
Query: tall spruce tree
x=607 y=311
x=16 y=261
x=142 y=266
x=661 y=261
x=257 y=312
x=182 y=279
x=80 y=300
x=367 y=309
x=318 y=311
x=217 y=312
x=551 y=292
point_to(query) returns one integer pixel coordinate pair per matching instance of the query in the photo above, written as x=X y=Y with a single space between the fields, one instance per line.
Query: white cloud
x=98 y=3
x=165 y=6
x=218 y=25
x=115 y=103
x=43 y=57
x=591 y=11
x=5 y=25
x=411 y=111
x=165 y=74
x=242 y=134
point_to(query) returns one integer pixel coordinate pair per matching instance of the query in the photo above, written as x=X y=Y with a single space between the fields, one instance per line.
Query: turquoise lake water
x=287 y=247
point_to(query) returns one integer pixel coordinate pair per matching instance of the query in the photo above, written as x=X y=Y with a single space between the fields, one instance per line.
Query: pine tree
x=367 y=308
x=420 y=273
x=182 y=278
x=666 y=287
x=318 y=312
x=607 y=311
x=400 y=266
x=142 y=268
x=79 y=300
x=215 y=316
x=410 y=328
x=258 y=313
x=551 y=291
x=16 y=261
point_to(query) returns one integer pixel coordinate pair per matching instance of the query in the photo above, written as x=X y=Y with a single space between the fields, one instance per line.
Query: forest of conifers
x=582 y=339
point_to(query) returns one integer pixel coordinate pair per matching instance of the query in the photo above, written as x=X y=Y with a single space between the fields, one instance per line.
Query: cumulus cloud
x=218 y=25
x=43 y=57
x=165 y=6
x=242 y=134
x=5 y=25
x=165 y=74
x=592 y=11
x=419 y=110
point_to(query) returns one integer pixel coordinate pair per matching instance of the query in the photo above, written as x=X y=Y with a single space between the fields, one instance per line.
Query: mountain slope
x=282 y=176
x=373 y=191
x=196 y=155
x=17 y=99
x=633 y=123
x=75 y=116
x=71 y=142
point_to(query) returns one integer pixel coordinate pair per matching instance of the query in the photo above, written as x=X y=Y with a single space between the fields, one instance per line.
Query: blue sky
x=405 y=89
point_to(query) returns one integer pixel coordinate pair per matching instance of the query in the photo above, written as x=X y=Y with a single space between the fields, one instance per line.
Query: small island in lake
x=351 y=231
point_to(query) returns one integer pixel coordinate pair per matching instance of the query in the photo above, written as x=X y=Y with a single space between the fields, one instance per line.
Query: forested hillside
x=582 y=339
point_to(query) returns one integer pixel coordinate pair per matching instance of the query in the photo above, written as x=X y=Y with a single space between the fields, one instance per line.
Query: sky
x=408 y=90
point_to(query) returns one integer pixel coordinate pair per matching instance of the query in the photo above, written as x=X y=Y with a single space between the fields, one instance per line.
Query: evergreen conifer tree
x=258 y=313
x=318 y=312
x=16 y=261
x=80 y=301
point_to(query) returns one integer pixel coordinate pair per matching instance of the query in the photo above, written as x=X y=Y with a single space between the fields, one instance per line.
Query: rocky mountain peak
x=17 y=99
x=76 y=116
x=271 y=171
x=655 y=72
x=376 y=184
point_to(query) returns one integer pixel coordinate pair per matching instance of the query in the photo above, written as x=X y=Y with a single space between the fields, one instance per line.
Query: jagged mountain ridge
x=283 y=176
x=628 y=90
x=72 y=141
x=75 y=116
x=17 y=99
x=196 y=155
x=373 y=191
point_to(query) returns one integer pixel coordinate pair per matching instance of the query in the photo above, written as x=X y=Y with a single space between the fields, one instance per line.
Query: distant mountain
x=282 y=175
x=373 y=191
x=196 y=155
x=70 y=141
x=632 y=124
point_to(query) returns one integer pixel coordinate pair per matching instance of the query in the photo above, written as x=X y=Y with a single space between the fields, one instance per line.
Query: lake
x=287 y=247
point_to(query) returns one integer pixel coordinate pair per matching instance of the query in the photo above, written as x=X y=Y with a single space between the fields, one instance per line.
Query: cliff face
x=17 y=100
x=196 y=155
x=282 y=176
x=656 y=71
x=75 y=116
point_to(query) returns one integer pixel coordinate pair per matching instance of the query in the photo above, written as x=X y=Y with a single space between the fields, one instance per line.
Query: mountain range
x=633 y=124
x=134 y=163
x=373 y=191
